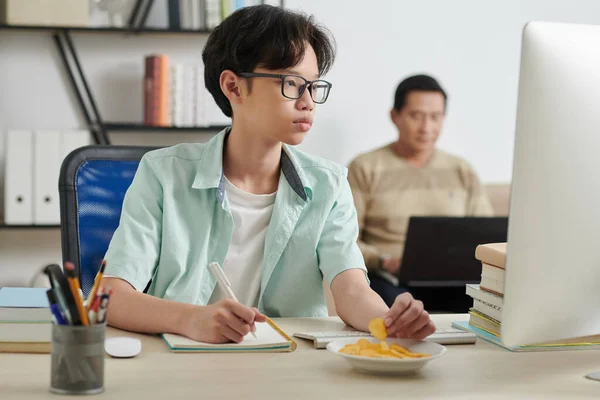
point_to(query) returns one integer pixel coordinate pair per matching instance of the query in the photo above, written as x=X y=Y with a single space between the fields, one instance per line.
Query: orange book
x=164 y=116
x=492 y=253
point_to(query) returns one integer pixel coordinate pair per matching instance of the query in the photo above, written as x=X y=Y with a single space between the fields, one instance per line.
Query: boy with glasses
x=278 y=220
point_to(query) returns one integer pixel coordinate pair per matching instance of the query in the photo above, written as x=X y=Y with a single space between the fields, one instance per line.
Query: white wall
x=472 y=46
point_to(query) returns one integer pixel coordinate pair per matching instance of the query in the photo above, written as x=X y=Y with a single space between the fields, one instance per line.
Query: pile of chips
x=365 y=348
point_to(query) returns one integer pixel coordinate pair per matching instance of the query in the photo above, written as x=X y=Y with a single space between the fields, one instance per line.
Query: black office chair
x=92 y=184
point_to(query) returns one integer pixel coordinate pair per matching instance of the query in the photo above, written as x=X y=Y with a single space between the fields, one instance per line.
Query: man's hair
x=416 y=83
x=262 y=36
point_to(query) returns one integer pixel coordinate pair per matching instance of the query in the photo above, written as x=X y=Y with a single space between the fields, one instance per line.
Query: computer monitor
x=552 y=282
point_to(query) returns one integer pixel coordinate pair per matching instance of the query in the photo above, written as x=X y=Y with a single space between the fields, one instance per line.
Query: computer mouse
x=122 y=347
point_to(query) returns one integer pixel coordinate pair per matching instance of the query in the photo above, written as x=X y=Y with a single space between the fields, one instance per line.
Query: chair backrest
x=92 y=184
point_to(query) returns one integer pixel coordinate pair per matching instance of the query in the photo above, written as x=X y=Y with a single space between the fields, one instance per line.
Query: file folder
x=47 y=161
x=18 y=178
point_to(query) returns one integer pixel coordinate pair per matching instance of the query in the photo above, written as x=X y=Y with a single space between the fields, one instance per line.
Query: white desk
x=465 y=372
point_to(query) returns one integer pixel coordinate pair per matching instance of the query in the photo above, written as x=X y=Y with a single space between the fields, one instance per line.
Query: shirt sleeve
x=134 y=249
x=337 y=249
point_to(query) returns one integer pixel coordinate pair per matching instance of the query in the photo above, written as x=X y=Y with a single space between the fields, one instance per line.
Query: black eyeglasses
x=293 y=86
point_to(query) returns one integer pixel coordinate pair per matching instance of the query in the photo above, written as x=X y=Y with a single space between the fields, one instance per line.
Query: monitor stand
x=595 y=376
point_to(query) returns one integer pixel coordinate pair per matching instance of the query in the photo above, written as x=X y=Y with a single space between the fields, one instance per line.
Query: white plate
x=390 y=365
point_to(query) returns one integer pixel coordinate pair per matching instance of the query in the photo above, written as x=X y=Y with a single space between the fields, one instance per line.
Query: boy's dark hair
x=416 y=83
x=262 y=36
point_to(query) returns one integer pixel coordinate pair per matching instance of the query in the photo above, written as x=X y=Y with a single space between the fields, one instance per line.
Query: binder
x=72 y=140
x=18 y=175
x=47 y=161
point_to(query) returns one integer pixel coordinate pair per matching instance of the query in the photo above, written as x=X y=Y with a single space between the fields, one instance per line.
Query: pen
x=103 y=307
x=224 y=283
x=62 y=293
x=74 y=286
x=95 y=305
x=55 y=308
x=96 y=284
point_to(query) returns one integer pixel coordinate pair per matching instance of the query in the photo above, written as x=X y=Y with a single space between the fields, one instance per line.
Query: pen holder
x=77 y=359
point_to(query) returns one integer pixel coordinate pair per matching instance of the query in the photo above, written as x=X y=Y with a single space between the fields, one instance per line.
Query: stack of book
x=485 y=317
x=175 y=95
x=25 y=320
x=486 y=312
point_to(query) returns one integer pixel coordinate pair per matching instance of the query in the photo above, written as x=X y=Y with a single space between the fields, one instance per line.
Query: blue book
x=566 y=345
x=24 y=305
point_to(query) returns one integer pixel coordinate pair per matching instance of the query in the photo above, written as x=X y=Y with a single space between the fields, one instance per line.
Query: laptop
x=440 y=251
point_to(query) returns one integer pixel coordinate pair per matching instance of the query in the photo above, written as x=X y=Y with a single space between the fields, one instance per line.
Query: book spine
x=151 y=82
x=487 y=297
x=163 y=92
x=174 y=16
x=488 y=309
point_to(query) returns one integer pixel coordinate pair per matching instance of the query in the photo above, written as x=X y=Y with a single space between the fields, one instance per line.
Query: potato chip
x=365 y=348
x=378 y=329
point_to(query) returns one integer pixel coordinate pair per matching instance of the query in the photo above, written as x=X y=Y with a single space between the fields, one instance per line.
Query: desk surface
x=466 y=372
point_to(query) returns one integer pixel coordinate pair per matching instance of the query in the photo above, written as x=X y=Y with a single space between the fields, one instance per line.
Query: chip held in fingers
x=378 y=329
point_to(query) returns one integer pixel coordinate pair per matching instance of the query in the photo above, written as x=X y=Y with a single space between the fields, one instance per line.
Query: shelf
x=125 y=127
x=103 y=29
x=5 y=226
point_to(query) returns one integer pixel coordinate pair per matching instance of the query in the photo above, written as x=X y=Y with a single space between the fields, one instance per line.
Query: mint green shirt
x=176 y=220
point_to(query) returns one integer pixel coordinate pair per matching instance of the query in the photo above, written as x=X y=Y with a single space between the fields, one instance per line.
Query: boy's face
x=266 y=111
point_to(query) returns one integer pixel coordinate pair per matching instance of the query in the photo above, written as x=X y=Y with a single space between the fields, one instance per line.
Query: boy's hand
x=223 y=322
x=407 y=319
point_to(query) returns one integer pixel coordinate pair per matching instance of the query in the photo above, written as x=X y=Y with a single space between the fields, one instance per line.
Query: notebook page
x=266 y=337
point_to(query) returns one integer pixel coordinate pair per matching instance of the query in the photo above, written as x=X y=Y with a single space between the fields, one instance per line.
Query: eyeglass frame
x=283 y=77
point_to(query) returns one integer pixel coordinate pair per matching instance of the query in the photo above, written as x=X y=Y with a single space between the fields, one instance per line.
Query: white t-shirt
x=243 y=263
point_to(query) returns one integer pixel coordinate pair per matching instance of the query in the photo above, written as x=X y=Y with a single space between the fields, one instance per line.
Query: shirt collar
x=210 y=168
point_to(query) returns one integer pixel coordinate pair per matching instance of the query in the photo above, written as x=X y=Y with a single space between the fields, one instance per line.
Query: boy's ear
x=231 y=86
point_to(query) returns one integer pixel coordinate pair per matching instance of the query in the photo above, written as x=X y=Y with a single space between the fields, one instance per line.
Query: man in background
x=409 y=177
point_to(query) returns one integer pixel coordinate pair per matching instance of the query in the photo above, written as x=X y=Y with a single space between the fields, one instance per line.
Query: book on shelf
x=175 y=95
x=203 y=14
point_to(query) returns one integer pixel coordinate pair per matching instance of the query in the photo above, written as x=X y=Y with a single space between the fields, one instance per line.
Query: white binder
x=72 y=140
x=46 y=160
x=18 y=178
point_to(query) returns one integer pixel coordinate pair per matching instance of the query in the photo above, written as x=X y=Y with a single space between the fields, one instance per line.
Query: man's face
x=421 y=119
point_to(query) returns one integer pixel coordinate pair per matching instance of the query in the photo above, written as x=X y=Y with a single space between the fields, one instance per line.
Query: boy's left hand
x=407 y=319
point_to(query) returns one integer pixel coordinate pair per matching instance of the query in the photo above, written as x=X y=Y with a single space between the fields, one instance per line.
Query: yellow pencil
x=74 y=286
x=97 y=280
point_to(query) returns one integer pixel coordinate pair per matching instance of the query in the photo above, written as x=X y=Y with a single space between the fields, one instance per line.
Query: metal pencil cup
x=77 y=359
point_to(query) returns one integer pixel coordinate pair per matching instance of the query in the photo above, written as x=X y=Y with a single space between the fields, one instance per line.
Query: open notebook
x=270 y=338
